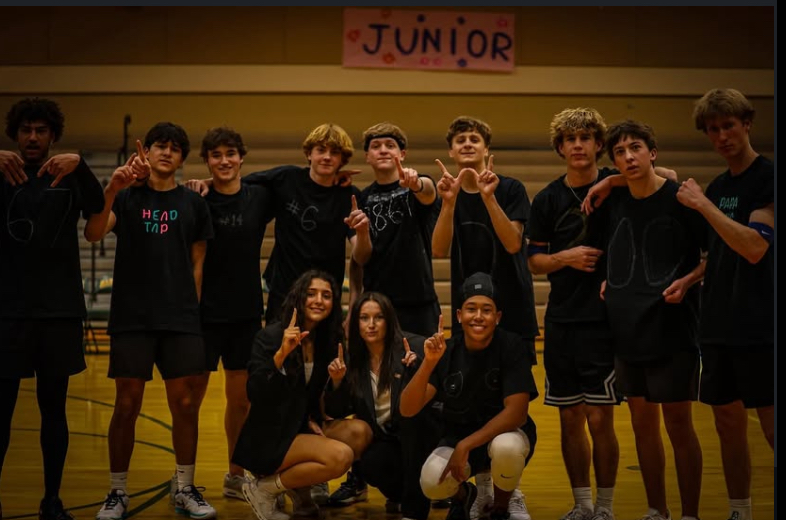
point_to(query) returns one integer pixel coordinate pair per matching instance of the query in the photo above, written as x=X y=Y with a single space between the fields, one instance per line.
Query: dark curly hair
x=35 y=109
x=166 y=132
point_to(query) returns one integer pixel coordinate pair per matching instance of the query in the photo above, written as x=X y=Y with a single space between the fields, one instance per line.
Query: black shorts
x=669 y=380
x=579 y=363
x=419 y=319
x=41 y=347
x=738 y=373
x=479 y=459
x=176 y=354
x=231 y=342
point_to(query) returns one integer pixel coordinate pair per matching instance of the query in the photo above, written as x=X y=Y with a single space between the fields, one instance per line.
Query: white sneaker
x=302 y=502
x=578 y=512
x=114 y=506
x=320 y=493
x=190 y=502
x=481 y=507
x=517 y=508
x=602 y=513
x=233 y=486
x=262 y=502
x=654 y=514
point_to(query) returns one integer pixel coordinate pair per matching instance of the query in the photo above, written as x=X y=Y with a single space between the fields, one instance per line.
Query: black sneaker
x=352 y=490
x=52 y=509
x=459 y=509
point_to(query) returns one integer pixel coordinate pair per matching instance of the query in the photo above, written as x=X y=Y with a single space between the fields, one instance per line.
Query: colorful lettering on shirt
x=155 y=220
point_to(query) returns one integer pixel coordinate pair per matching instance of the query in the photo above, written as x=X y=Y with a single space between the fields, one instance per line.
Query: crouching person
x=483 y=375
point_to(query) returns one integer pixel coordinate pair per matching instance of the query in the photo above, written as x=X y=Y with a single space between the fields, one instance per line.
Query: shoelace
x=112 y=499
x=194 y=493
x=518 y=503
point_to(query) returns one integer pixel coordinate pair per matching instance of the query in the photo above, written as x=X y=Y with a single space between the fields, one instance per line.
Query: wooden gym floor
x=86 y=478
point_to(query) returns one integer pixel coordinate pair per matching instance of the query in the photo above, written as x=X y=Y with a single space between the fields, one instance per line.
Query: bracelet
x=422 y=185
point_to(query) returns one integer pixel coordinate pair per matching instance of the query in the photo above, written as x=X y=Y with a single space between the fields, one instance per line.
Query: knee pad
x=508 y=452
x=432 y=469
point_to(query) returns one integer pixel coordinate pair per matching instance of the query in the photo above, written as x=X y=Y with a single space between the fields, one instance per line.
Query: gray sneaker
x=302 y=502
x=320 y=493
x=578 y=512
x=190 y=502
x=233 y=486
x=114 y=507
x=602 y=513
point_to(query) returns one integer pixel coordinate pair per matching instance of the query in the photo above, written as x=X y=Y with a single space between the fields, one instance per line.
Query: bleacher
x=534 y=168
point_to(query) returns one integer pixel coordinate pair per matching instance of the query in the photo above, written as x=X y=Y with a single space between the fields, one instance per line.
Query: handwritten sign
x=433 y=40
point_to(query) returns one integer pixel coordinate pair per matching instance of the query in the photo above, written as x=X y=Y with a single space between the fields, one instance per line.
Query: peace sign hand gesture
x=488 y=180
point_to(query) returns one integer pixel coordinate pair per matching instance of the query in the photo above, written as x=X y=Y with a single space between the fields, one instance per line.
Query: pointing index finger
x=490 y=166
x=140 y=150
x=442 y=166
x=45 y=167
x=293 y=321
x=406 y=346
x=354 y=203
x=440 y=324
x=400 y=169
x=341 y=353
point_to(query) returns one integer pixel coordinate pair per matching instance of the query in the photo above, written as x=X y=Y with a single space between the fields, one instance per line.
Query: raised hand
x=59 y=165
x=603 y=291
x=409 y=356
x=448 y=186
x=690 y=194
x=344 y=177
x=488 y=180
x=357 y=219
x=435 y=346
x=122 y=177
x=337 y=369
x=140 y=165
x=408 y=177
x=13 y=168
x=292 y=336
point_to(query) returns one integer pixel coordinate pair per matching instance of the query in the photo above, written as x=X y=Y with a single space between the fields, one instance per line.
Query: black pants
x=392 y=464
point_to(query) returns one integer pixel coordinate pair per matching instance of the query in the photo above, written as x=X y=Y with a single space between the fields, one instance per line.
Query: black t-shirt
x=477 y=248
x=401 y=228
x=40 y=272
x=310 y=230
x=153 y=286
x=653 y=242
x=556 y=218
x=738 y=305
x=231 y=287
x=473 y=385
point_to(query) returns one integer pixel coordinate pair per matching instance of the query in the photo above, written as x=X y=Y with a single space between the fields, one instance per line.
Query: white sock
x=185 y=475
x=271 y=484
x=484 y=483
x=741 y=506
x=119 y=481
x=605 y=498
x=583 y=496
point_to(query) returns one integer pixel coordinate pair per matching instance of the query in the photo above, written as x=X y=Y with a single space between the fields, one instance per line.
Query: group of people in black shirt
x=382 y=394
